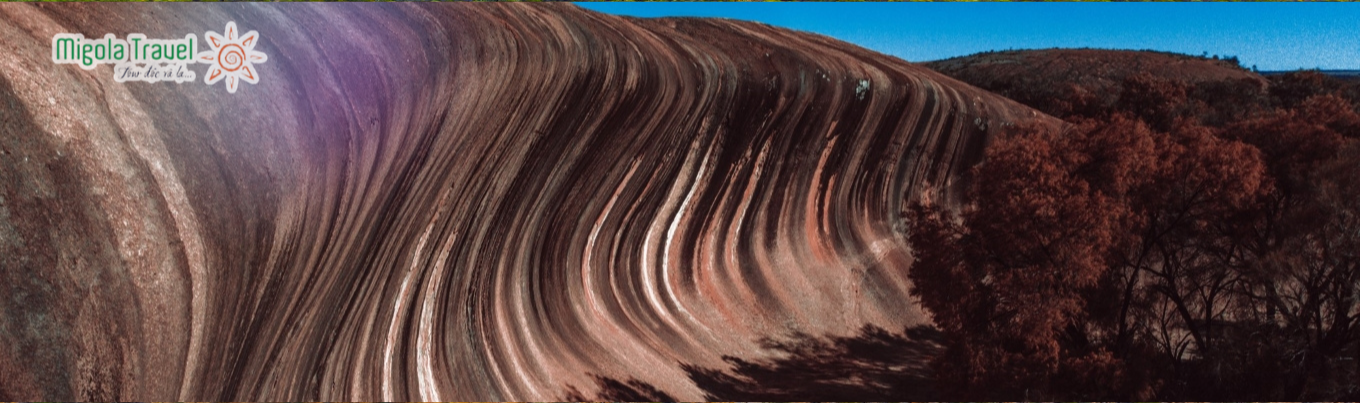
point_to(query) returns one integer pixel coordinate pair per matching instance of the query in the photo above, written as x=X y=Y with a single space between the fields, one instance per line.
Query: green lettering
x=64 y=49
x=156 y=53
x=85 y=54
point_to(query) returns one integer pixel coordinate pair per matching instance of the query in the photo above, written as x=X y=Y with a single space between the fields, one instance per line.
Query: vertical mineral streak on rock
x=456 y=201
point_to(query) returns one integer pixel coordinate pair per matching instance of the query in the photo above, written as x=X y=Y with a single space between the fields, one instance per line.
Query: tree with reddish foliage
x=1305 y=271
x=1219 y=103
x=1289 y=90
x=1033 y=237
x=1189 y=237
x=1154 y=100
x=1079 y=253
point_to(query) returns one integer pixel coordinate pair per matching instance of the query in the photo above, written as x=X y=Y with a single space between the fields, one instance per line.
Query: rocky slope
x=453 y=201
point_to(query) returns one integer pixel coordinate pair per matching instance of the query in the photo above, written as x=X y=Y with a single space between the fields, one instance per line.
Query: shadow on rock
x=613 y=390
x=875 y=365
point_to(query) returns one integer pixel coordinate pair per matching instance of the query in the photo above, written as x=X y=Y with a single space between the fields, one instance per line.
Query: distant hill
x=1065 y=82
x=1340 y=74
x=1095 y=67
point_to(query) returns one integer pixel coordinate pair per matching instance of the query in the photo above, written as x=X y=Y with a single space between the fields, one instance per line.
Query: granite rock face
x=453 y=201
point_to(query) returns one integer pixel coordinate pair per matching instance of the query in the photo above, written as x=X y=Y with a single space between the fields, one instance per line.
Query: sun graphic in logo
x=232 y=57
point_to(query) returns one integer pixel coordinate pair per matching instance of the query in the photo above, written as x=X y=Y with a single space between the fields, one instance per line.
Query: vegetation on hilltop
x=1192 y=235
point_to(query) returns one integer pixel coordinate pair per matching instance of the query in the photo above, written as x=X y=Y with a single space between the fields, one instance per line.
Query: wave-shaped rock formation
x=453 y=201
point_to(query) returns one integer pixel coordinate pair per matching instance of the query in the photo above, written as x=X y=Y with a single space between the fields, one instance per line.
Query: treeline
x=1177 y=241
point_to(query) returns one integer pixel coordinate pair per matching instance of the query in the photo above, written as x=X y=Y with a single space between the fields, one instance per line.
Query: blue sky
x=1272 y=36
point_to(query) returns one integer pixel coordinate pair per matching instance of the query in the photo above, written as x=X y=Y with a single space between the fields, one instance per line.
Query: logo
x=232 y=56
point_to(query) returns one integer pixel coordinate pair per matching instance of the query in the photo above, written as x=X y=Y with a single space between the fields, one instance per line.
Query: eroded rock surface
x=453 y=201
